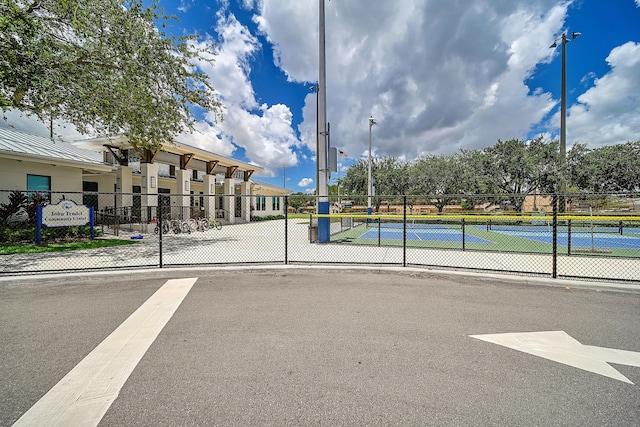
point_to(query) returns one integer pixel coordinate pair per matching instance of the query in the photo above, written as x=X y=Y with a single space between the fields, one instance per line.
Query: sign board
x=66 y=213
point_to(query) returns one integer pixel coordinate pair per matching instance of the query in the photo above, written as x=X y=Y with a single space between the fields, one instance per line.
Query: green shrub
x=17 y=201
x=467 y=205
x=26 y=233
x=267 y=218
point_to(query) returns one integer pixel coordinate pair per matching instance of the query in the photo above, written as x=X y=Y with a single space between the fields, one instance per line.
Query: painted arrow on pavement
x=563 y=348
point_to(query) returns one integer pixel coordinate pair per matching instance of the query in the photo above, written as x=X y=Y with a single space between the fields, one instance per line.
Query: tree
x=438 y=176
x=545 y=157
x=355 y=180
x=390 y=177
x=299 y=200
x=612 y=168
x=103 y=66
x=517 y=168
x=579 y=168
x=473 y=181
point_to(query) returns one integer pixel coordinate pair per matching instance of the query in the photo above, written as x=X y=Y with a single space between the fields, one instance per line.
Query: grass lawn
x=28 y=248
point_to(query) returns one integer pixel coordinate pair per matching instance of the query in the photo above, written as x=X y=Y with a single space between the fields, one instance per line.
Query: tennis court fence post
x=404 y=232
x=463 y=234
x=569 y=237
x=160 y=225
x=286 y=230
x=554 y=255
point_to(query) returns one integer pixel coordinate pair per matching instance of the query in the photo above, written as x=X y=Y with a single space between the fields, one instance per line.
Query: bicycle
x=202 y=224
x=213 y=223
x=196 y=224
x=165 y=228
x=182 y=225
x=177 y=226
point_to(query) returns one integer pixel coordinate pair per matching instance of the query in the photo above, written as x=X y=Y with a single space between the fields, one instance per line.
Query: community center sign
x=66 y=213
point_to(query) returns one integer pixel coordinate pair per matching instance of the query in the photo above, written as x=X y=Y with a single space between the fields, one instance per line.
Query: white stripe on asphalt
x=84 y=395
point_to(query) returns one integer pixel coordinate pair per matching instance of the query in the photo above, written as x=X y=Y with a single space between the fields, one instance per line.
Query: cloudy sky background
x=437 y=75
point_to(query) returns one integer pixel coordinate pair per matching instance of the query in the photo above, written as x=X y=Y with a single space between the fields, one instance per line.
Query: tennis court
x=521 y=234
x=600 y=238
x=421 y=232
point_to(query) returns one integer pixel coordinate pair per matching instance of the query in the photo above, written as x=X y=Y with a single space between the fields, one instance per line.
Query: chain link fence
x=593 y=236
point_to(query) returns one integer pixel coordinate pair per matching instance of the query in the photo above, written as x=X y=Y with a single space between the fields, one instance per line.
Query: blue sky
x=437 y=75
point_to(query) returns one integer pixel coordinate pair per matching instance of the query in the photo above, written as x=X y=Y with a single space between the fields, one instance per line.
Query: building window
x=39 y=184
x=90 y=199
x=275 y=202
x=261 y=203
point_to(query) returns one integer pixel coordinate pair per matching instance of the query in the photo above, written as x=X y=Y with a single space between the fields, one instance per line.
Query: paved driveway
x=317 y=347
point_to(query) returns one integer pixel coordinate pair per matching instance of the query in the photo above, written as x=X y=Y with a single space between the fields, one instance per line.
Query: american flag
x=343 y=153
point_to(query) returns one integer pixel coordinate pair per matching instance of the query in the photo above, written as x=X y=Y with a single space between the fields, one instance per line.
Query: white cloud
x=437 y=76
x=609 y=112
x=305 y=182
x=230 y=72
x=208 y=137
x=185 y=5
x=291 y=27
x=264 y=132
x=267 y=137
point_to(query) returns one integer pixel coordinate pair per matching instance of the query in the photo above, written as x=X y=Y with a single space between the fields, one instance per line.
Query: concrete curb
x=173 y=272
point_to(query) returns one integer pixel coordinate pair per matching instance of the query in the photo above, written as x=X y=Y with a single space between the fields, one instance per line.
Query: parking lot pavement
x=325 y=346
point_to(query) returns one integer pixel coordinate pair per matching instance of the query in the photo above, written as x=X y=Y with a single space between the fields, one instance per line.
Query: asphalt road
x=331 y=347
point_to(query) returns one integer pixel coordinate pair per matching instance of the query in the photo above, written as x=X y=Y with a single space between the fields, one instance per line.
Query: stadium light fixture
x=369 y=181
x=563 y=113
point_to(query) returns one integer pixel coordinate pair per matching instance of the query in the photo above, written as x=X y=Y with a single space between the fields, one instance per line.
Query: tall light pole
x=563 y=116
x=324 y=223
x=316 y=89
x=369 y=181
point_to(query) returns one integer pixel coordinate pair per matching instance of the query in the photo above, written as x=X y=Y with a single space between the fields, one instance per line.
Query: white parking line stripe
x=84 y=395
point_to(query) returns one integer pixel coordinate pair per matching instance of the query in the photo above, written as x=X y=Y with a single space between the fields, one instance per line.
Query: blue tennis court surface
x=600 y=240
x=433 y=233
x=602 y=237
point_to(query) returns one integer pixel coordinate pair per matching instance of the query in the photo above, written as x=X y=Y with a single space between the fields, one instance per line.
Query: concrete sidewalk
x=263 y=243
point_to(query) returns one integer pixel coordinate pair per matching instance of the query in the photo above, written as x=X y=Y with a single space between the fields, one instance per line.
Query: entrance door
x=164 y=202
x=238 y=209
x=90 y=199
x=136 y=211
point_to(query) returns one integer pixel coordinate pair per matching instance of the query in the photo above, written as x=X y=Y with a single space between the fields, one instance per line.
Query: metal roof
x=172 y=148
x=270 y=187
x=24 y=144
